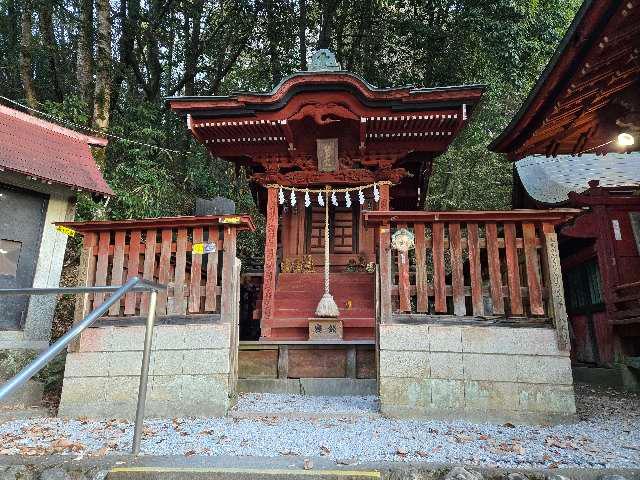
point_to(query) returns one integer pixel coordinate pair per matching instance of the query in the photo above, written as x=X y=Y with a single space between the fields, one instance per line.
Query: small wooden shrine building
x=327 y=128
x=575 y=142
x=442 y=314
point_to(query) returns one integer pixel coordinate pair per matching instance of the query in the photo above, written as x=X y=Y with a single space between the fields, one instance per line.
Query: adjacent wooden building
x=575 y=142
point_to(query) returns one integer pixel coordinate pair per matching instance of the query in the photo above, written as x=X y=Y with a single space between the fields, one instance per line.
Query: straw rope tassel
x=327 y=306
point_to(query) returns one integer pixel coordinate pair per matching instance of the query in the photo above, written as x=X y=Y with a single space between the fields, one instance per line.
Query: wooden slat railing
x=160 y=250
x=469 y=263
x=626 y=304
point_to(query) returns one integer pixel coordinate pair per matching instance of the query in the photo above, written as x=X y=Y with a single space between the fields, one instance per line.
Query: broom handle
x=326 y=241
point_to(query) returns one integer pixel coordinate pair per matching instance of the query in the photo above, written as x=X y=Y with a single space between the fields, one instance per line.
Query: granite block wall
x=190 y=374
x=477 y=373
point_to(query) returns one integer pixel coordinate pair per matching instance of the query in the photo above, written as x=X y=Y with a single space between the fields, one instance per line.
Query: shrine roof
x=549 y=180
x=577 y=103
x=405 y=98
x=49 y=152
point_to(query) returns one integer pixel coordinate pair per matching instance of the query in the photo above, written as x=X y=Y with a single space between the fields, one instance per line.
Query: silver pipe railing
x=134 y=284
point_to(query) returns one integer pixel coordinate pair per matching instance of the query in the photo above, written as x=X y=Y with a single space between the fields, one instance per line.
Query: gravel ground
x=607 y=435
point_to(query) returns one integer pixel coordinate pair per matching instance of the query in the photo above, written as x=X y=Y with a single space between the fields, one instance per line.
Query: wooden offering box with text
x=329 y=329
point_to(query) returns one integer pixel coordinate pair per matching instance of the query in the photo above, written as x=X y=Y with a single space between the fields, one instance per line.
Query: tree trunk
x=84 y=63
x=45 y=26
x=25 y=55
x=272 y=39
x=102 y=96
x=328 y=10
x=302 y=33
x=192 y=52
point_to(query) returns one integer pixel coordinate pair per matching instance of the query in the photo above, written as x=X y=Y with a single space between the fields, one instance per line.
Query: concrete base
x=620 y=376
x=475 y=373
x=190 y=374
x=331 y=387
x=28 y=395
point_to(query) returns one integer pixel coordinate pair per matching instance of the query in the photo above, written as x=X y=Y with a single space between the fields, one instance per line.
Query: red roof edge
x=88 y=139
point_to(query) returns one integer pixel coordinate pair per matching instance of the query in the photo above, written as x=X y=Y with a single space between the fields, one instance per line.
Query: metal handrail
x=133 y=284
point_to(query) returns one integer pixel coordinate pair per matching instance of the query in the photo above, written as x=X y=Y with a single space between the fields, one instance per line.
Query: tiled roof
x=49 y=152
x=550 y=179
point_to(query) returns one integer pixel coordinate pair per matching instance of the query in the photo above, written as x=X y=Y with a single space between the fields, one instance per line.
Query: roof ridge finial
x=324 y=59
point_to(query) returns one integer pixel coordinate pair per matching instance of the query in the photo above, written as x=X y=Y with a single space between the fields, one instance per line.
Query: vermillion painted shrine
x=389 y=136
x=442 y=314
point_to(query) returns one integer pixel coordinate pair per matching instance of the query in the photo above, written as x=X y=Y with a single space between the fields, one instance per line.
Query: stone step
x=239 y=473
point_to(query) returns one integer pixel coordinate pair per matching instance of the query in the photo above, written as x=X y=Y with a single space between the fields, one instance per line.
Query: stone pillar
x=270 y=261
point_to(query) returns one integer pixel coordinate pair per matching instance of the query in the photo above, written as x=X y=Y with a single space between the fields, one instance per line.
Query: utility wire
x=68 y=123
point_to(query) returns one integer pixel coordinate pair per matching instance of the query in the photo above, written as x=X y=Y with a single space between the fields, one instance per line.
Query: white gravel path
x=608 y=435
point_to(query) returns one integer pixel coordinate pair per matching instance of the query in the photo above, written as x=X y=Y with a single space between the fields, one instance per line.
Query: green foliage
x=241 y=45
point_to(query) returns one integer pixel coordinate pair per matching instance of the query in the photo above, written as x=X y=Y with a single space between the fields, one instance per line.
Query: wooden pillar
x=384 y=246
x=86 y=277
x=552 y=267
x=270 y=259
x=229 y=280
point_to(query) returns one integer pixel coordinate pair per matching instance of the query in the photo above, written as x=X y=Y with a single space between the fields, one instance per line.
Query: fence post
x=384 y=248
x=558 y=310
x=85 y=278
x=228 y=273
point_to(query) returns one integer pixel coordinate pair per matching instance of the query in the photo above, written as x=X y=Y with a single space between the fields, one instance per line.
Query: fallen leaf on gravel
x=189 y=453
x=461 y=438
x=483 y=437
x=401 y=452
x=422 y=453
x=308 y=464
x=101 y=453
x=287 y=453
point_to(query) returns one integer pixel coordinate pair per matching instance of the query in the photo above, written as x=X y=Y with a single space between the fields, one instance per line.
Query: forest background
x=108 y=64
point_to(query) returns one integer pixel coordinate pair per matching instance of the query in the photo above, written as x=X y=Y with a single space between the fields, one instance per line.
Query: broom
x=327 y=306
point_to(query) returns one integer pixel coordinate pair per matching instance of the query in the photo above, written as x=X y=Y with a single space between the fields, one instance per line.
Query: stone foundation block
x=404 y=364
x=445 y=338
x=405 y=337
x=475 y=373
x=446 y=365
x=190 y=372
x=496 y=396
x=447 y=394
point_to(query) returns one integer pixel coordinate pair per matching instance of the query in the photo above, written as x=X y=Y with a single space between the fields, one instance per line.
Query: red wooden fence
x=159 y=250
x=468 y=263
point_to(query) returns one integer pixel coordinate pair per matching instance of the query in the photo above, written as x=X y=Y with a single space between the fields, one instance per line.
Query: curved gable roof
x=41 y=149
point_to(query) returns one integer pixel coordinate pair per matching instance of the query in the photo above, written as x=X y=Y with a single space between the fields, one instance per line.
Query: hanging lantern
x=281 y=196
x=334 y=199
x=293 y=198
x=360 y=196
x=347 y=199
x=376 y=193
x=307 y=199
x=320 y=200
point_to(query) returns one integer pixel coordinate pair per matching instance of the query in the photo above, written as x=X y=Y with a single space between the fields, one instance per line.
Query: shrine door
x=343 y=234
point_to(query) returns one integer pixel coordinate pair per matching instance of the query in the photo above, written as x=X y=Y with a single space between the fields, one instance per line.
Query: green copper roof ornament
x=324 y=60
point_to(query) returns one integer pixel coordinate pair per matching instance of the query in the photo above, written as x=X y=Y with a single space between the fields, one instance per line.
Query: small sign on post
x=203 y=248
x=66 y=230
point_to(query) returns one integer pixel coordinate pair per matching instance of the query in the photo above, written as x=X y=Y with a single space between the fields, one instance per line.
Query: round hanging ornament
x=403 y=240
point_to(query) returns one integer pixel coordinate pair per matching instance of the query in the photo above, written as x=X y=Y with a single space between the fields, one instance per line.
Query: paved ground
x=349 y=431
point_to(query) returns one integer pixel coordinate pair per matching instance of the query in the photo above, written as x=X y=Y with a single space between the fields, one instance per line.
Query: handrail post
x=144 y=373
